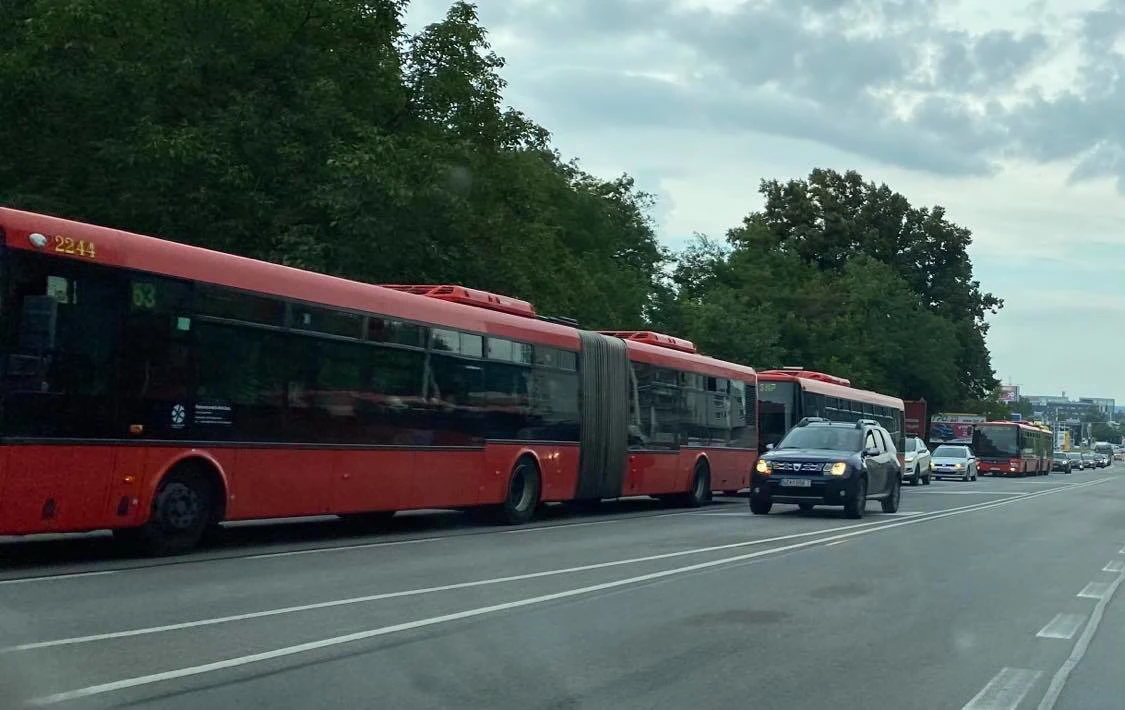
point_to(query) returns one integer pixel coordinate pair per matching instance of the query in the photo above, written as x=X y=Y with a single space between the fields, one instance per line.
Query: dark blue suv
x=821 y=462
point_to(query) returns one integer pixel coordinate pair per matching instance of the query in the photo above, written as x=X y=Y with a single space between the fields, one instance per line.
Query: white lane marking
x=1005 y=691
x=1079 y=650
x=362 y=546
x=411 y=541
x=415 y=592
x=1063 y=626
x=238 y=661
x=53 y=577
x=974 y=493
x=613 y=521
x=1121 y=551
x=733 y=515
x=463 y=585
x=836 y=542
x=1094 y=590
x=1114 y=566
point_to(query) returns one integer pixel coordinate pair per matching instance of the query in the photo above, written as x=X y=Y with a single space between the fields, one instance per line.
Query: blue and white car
x=916 y=462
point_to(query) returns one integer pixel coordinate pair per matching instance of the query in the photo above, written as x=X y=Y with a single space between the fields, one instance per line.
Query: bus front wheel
x=182 y=510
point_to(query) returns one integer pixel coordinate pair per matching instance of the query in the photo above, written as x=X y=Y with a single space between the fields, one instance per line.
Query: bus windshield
x=777 y=403
x=996 y=442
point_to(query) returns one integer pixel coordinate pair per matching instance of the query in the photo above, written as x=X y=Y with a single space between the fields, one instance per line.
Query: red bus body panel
x=111 y=485
x=1023 y=463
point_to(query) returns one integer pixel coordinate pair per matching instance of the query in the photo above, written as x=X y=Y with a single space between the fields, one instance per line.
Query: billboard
x=953 y=428
x=915 y=415
x=1009 y=393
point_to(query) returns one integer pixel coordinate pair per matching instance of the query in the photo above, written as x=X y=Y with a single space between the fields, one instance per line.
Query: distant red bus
x=1013 y=449
x=157 y=389
x=787 y=395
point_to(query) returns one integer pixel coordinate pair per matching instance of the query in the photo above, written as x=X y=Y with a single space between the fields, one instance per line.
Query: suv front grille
x=797 y=466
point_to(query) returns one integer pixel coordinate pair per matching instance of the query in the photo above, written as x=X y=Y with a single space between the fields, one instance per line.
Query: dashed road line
x=1058 y=682
x=1114 y=566
x=1094 y=590
x=1005 y=691
x=1063 y=626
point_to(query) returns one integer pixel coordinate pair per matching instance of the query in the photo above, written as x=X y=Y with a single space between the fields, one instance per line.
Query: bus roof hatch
x=651 y=338
x=809 y=375
x=469 y=297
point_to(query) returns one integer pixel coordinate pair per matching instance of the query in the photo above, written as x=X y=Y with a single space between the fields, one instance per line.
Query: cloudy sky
x=1010 y=113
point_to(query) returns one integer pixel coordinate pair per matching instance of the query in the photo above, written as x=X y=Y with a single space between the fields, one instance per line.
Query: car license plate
x=796 y=482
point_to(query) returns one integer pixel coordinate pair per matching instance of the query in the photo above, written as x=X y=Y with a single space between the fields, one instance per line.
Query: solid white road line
x=1114 y=566
x=1005 y=691
x=54 y=577
x=1063 y=626
x=529 y=529
x=1058 y=682
x=974 y=493
x=362 y=546
x=239 y=661
x=464 y=585
x=416 y=592
x=1094 y=590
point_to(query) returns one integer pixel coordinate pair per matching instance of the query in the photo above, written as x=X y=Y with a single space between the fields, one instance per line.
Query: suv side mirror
x=769 y=447
x=871 y=451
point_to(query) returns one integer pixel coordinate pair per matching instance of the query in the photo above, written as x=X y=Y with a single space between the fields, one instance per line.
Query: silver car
x=916 y=462
x=954 y=461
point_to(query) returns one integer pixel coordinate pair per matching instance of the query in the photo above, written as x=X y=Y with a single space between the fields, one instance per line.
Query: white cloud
x=1007 y=113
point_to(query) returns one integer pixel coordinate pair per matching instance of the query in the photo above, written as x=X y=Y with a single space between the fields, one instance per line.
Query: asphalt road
x=987 y=595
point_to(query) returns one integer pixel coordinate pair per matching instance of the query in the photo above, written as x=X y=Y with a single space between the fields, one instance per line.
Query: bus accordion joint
x=468 y=297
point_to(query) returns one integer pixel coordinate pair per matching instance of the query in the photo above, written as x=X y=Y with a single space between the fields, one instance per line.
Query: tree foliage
x=842 y=275
x=314 y=133
x=318 y=133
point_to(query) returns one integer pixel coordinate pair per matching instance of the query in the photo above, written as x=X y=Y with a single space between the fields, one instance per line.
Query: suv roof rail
x=810 y=420
x=860 y=423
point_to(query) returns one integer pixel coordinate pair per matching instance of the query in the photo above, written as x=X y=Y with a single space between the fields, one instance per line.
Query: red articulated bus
x=790 y=394
x=1013 y=449
x=157 y=389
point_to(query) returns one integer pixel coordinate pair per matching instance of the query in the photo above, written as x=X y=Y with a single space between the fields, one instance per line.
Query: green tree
x=1102 y=431
x=313 y=133
x=830 y=218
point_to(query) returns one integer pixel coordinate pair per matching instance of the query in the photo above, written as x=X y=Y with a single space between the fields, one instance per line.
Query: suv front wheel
x=890 y=503
x=856 y=506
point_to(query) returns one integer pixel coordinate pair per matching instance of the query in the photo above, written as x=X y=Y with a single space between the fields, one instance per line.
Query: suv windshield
x=823 y=437
x=1074 y=456
x=950 y=452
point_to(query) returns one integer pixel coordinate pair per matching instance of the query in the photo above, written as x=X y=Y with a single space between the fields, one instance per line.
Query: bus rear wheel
x=524 y=486
x=700 y=492
x=182 y=510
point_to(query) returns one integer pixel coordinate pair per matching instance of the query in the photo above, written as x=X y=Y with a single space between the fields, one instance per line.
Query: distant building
x=1107 y=406
x=1064 y=411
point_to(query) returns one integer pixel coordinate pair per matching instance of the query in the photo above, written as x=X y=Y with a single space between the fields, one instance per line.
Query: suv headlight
x=835 y=469
x=763 y=467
